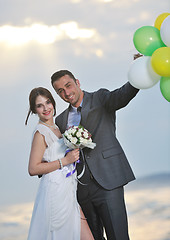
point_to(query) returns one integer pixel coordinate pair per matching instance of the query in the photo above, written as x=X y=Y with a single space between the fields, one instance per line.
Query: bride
x=56 y=214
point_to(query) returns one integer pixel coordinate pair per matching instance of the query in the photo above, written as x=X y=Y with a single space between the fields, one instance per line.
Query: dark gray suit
x=107 y=166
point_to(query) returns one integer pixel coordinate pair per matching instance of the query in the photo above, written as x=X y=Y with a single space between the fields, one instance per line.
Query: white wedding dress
x=56 y=213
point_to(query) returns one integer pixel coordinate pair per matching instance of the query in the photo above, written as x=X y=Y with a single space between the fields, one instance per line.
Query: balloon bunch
x=154 y=43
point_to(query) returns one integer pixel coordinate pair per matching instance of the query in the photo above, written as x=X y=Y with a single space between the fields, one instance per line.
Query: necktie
x=79 y=109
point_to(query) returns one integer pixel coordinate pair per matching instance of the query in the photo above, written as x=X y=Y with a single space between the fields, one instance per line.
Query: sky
x=94 y=40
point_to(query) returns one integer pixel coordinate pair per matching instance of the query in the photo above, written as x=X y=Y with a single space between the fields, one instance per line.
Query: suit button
x=87 y=157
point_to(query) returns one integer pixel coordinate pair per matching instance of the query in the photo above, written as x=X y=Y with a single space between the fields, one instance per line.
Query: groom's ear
x=77 y=82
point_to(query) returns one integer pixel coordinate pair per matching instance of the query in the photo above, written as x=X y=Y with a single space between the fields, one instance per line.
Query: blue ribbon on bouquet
x=74 y=164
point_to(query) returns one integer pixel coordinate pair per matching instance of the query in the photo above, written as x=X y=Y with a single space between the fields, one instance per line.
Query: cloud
x=43 y=34
x=14 y=221
x=113 y=3
x=147 y=211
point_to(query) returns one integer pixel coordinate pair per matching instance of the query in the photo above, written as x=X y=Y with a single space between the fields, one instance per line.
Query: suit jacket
x=107 y=161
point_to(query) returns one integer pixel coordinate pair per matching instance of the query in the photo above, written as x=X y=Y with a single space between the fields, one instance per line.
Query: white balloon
x=141 y=74
x=165 y=31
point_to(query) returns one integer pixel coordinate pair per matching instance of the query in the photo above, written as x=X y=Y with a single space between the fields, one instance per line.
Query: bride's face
x=44 y=108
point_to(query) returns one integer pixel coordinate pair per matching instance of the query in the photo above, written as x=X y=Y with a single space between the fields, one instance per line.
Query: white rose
x=81 y=139
x=73 y=131
x=69 y=131
x=84 y=141
x=80 y=130
x=69 y=137
x=66 y=133
x=74 y=140
x=78 y=134
x=85 y=134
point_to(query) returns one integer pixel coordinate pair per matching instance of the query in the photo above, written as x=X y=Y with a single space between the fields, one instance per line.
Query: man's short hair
x=57 y=75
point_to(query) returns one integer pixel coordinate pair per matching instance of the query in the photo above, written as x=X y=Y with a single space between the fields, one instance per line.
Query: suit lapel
x=85 y=108
x=65 y=118
x=62 y=120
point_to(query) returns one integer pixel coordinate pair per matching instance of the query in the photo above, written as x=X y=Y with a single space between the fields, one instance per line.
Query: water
x=148 y=207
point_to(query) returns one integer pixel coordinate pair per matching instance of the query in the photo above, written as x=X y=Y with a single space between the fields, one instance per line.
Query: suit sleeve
x=119 y=98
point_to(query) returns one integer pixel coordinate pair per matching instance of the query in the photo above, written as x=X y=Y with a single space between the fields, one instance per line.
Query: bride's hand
x=71 y=156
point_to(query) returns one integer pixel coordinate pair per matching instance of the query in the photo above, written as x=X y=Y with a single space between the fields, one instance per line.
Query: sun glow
x=43 y=34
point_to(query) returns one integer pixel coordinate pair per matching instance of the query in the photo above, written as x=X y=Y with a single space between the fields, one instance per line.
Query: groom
x=100 y=193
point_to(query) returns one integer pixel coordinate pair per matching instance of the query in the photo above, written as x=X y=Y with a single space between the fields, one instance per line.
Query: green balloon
x=147 y=39
x=165 y=87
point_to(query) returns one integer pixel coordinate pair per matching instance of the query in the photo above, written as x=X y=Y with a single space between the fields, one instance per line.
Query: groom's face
x=69 y=90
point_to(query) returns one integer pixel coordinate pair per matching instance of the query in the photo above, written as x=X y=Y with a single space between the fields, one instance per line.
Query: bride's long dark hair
x=40 y=91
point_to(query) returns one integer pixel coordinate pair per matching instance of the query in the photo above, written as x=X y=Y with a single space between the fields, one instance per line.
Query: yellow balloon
x=160 y=19
x=160 y=61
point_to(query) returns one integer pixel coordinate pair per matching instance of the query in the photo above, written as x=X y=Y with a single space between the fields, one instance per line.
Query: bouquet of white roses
x=78 y=137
